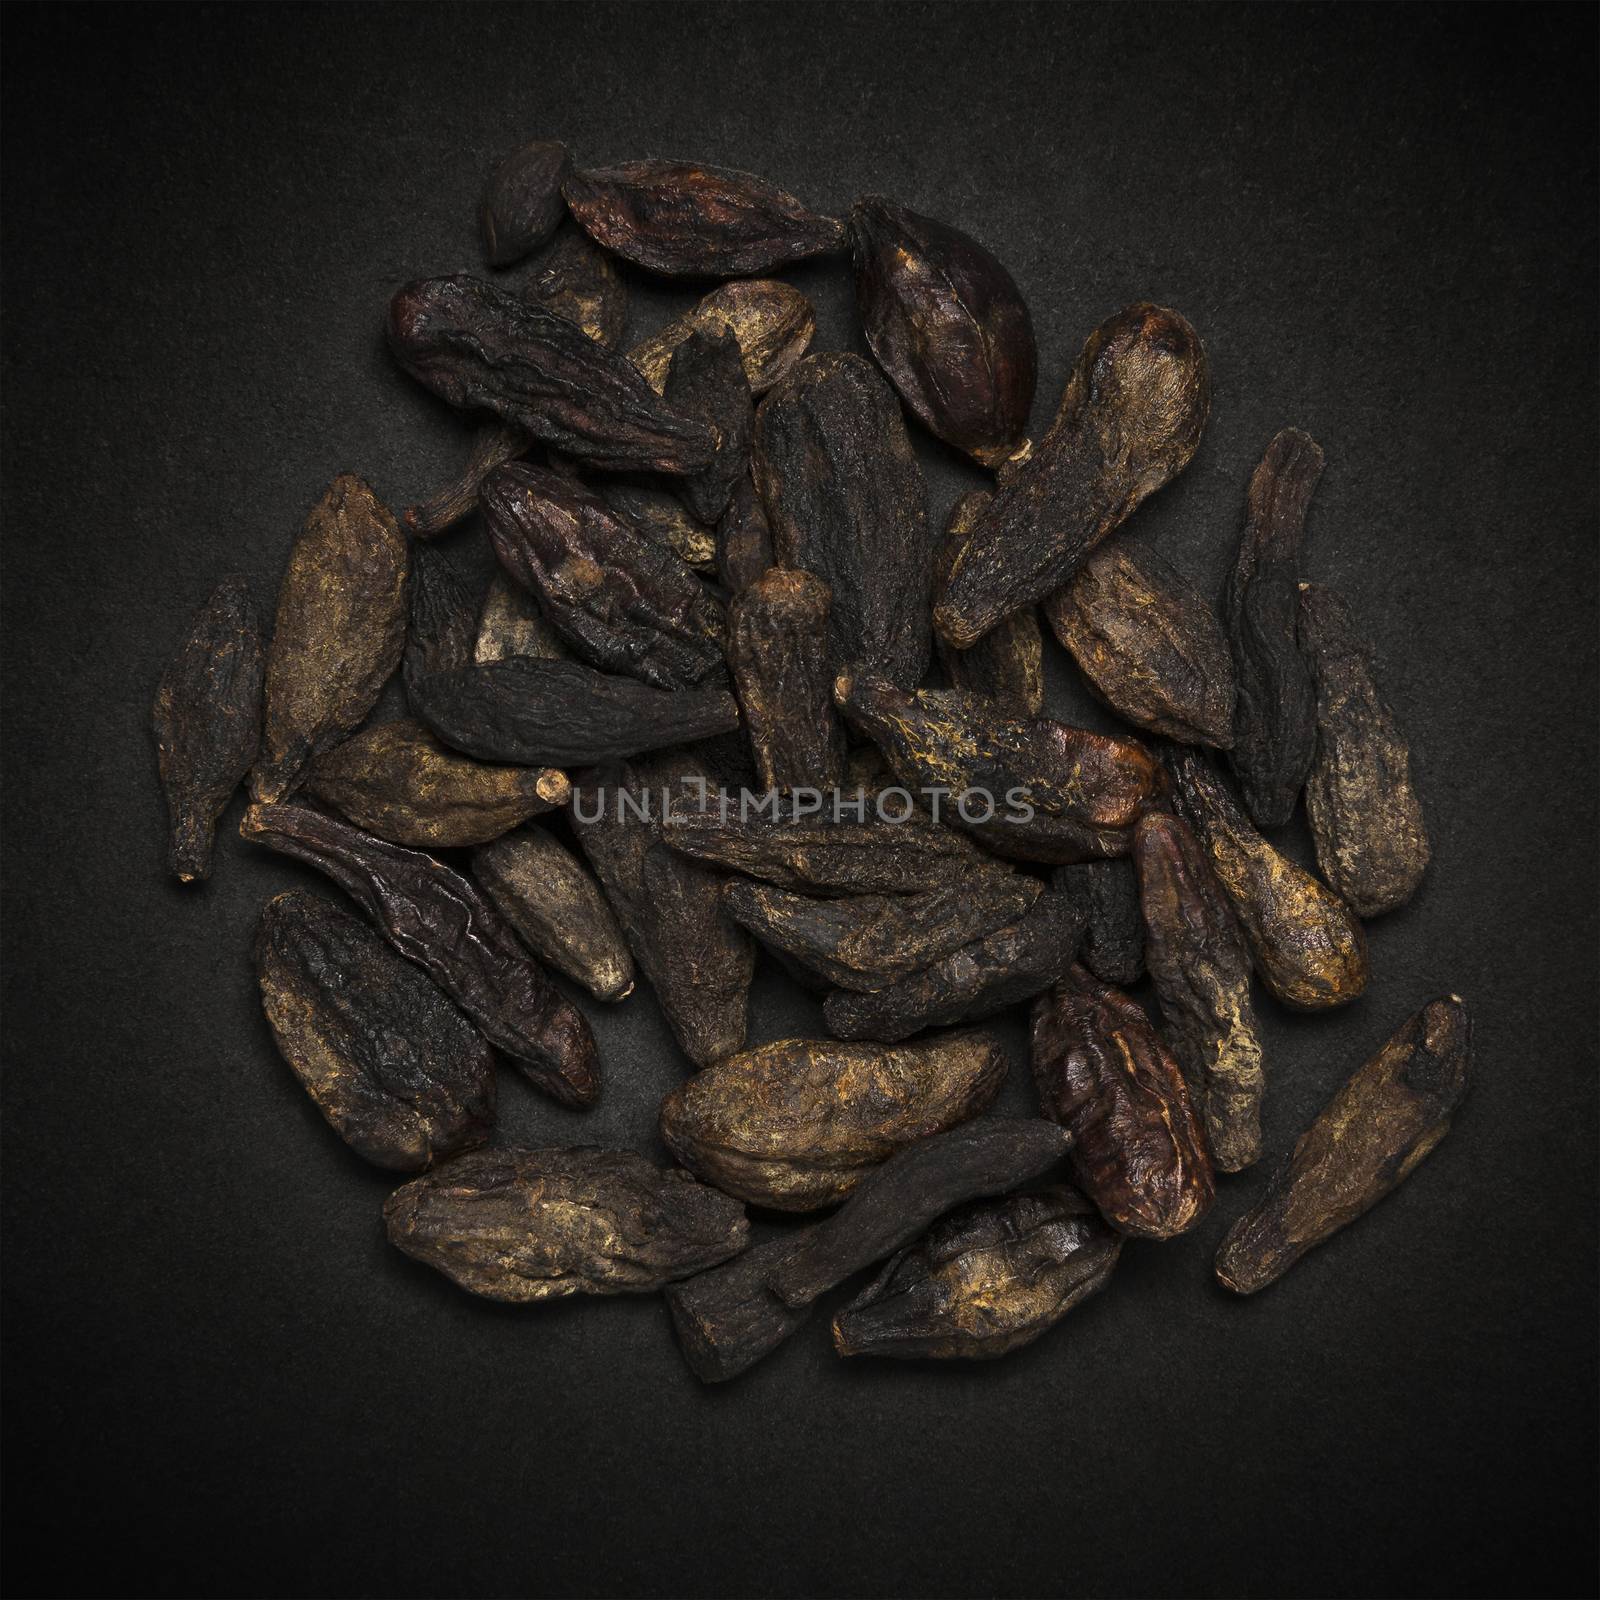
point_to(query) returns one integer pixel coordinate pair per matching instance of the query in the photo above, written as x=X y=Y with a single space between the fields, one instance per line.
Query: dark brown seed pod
x=338 y=633
x=1129 y=423
x=1368 y=1139
x=1274 y=727
x=706 y=380
x=948 y=325
x=1113 y=940
x=744 y=540
x=436 y=918
x=441 y=635
x=530 y=1225
x=511 y=624
x=796 y=1124
x=662 y=518
x=727 y=1319
x=684 y=220
x=1366 y=819
x=1307 y=943
x=1200 y=964
x=845 y=500
x=983 y=1281
x=522 y=205
x=576 y=279
x=207 y=722
x=493 y=444
x=772 y=322
x=1147 y=644
x=402 y=1077
x=1102 y=1072
x=480 y=348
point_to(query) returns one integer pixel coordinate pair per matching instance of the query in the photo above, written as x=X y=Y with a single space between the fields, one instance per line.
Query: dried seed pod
x=1102 y=1072
x=983 y=1281
x=727 y=1319
x=207 y=722
x=1274 y=727
x=1113 y=940
x=576 y=279
x=441 y=635
x=744 y=541
x=476 y=346
x=1007 y=663
x=777 y=650
x=493 y=444
x=402 y=1077
x=689 y=221
x=530 y=1225
x=1014 y=963
x=706 y=380
x=1148 y=645
x=772 y=321
x=1200 y=963
x=796 y=1124
x=661 y=518
x=1368 y=1139
x=1129 y=423
x=511 y=624
x=948 y=325
x=399 y=782
x=619 y=600
x=1366 y=819
x=1307 y=943
x=522 y=205
x=339 y=631
x=845 y=499
x=436 y=918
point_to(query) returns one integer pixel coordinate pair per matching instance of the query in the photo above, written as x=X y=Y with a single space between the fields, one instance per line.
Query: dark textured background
x=221 y=1379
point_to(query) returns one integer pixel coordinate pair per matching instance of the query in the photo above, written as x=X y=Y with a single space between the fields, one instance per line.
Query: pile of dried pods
x=716 y=580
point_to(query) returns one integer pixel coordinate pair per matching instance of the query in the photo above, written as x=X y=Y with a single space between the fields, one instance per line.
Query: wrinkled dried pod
x=1129 y=423
x=338 y=634
x=442 y=635
x=1113 y=940
x=402 y=1077
x=493 y=444
x=511 y=624
x=983 y=1281
x=684 y=220
x=207 y=722
x=576 y=279
x=706 y=380
x=1200 y=964
x=1274 y=725
x=529 y=1225
x=436 y=918
x=845 y=500
x=772 y=321
x=727 y=1319
x=744 y=540
x=662 y=518
x=522 y=205
x=1102 y=1072
x=947 y=323
x=1366 y=819
x=1368 y=1139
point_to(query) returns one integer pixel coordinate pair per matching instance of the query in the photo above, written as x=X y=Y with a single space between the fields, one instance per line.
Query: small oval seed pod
x=522 y=205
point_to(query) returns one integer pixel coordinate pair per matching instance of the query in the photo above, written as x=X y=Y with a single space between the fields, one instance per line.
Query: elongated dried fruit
x=478 y=347
x=338 y=634
x=1102 y=1072
x=727 y=1319
x=207 y=722
x=686 y=220
x=522 y=205
x=511 y=624
x=574 y=278
x=744 y=540
x=1307 y=943
x=493 y=444
x=796 y=1124
x=947 y=323
x=706 y=380
x=1366 y=819
x=1368 y=1139
x=1200 y=964
x=436 y=918
x=442 y=635
x=402 y=1077
x=983 y=1281
x=659 y=516
x=845 y=500
x=1129 y=423
x=1113 y=939
x=529 y=1225
x=1148 y=644
x=772 y=321
x=1274 y=727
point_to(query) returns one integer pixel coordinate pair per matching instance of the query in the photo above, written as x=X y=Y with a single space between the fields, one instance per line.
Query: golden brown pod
x=772 y=322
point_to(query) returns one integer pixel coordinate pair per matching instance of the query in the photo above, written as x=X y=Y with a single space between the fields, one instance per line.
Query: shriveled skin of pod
x=511 y=624
x=947 y=323
x=845 y=500
x=1366 y=819
x=706 y=380
x=441 y=921
x=744 y=540
x=338 y=633
x=983 y=1281
x=1368 y=1139
x=685 y=220
x=522 y=204
x=662 y=518
x=576 y=279
x=207 y=722
x=529 y=1225
x=794 y=1125
x=1148 y=644
x=1200 y=964
x=400 y=1074
x=772 y=321
x=1307 y=943
x=399 y=782
x=481 y=348
x=1113 y=940
x=493 y=444
x=442 y=633
x=1130 y=422
x=727 y=1319
x=1138 y=1149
